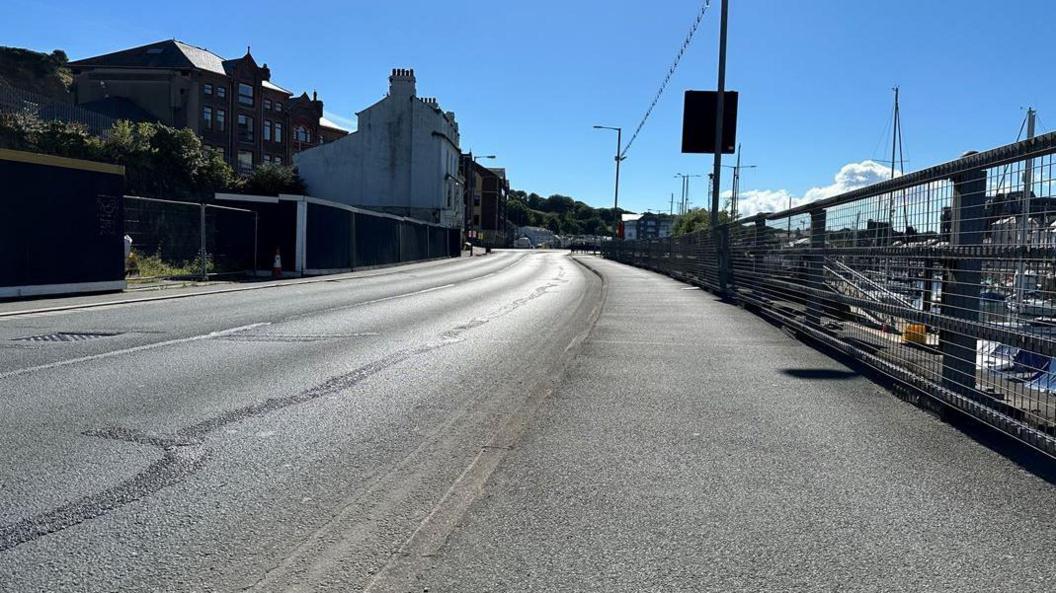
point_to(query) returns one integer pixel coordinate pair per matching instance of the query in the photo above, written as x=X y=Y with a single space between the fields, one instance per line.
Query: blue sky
x=527 y=80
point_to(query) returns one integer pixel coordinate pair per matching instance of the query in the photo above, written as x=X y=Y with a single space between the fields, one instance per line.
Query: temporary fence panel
x=942 y=279
x=438 y=243
x=414 y=241
x=454 y=242
x=63 y=226
x=276 y=233
x=317 y=236
x=166 y=236
x=169 y=236
x=377 y=240
x=232 y=238
x=329 y=239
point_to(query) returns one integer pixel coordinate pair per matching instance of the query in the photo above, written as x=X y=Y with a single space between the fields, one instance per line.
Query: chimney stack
x=401 y=83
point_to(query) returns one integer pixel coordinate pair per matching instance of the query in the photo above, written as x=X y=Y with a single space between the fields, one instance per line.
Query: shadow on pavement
x=821 y=374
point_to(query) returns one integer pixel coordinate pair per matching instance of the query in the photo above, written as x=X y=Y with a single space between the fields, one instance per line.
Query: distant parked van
x=523 y=243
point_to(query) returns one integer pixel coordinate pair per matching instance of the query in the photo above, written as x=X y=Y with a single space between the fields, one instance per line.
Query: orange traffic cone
x=276 y=266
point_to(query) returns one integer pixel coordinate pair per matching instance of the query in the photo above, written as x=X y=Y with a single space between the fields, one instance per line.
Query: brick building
x=231 y=104
x=485 y=195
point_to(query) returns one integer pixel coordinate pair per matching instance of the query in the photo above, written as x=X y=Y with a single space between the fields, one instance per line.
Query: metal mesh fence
x=169 y=237
x=943 y=279
x=16 y=101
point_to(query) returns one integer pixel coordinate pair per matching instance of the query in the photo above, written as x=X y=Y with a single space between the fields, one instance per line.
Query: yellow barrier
x=915 y=333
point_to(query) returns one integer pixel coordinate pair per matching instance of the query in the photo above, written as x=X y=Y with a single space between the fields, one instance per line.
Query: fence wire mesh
x=167 y=239
x=17 y=102
x=943 y=279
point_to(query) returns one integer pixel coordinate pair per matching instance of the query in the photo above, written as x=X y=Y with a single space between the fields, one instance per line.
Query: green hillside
x=36 y=72
x=561 y=214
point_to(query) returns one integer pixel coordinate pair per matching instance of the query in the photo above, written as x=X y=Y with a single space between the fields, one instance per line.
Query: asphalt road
x=284 y=439
x=506 y=423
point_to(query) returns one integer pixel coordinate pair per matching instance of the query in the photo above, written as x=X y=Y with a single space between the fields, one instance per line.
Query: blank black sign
x=698 y=122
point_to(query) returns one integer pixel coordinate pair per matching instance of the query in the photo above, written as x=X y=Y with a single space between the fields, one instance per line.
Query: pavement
x=525 y=421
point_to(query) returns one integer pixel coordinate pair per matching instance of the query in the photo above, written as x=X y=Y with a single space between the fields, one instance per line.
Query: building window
x=207 y=88
x=267 y=104
x=245 y=94
x=278 y=106
x=245 y=128
x=302 y=134
x=221 y=91
x=245 y=161
x=277 y=160
x=267 y=130
x=207 y=117
x=278 y=132
x=221 y=119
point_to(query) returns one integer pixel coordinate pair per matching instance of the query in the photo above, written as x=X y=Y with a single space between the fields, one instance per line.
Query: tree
x=159 y=161
x=271 y=179
x=518 y=212
x=553 y=224
x=697 y=219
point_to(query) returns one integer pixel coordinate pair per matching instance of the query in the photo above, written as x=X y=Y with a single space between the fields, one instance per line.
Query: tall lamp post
x=616 y=195
x=683 y=207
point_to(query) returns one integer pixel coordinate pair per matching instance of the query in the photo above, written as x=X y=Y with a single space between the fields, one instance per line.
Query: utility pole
x=717 y=173
x=616 y=192
x=671 y=210
x=735 y=190
x=719 y=100
x=1020 y=281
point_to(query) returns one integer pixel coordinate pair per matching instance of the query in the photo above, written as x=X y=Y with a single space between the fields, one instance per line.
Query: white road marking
x=112 y=353
x=405 y=295
x=216 y=334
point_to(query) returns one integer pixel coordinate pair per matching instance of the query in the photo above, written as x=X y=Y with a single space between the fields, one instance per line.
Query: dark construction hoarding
x=63 y=225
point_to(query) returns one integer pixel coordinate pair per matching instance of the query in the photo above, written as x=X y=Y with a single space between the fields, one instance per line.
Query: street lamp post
x=684 y=206
x=616 y=194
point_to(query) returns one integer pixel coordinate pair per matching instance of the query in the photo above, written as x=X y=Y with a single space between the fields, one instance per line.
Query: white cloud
x=850 y=176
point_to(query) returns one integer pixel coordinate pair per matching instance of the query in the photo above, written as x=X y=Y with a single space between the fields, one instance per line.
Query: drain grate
x=67 y=337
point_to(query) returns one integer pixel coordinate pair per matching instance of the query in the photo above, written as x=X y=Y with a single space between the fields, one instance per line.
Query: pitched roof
x=271 y=85
x=167 y=54
x=162 y=54
x=326 y=123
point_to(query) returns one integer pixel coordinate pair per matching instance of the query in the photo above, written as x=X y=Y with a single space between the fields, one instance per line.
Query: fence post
x=758 y=244
x=203 y=248
x=352 y=247
x=256 y=227
x=399 y=256
x=962 y=280
x=815 y=265
x=723 y=251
